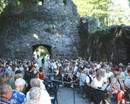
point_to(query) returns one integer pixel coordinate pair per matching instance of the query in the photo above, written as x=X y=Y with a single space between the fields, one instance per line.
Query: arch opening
x=41 y=50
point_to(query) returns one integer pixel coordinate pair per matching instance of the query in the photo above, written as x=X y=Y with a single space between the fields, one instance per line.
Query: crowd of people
x=22 y=82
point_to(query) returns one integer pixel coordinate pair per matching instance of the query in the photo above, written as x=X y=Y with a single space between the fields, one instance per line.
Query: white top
x=42 y=86
x=82 y=79
x=109 y=74
x=44 y=98
x=88 y=79
x=97 y=83
x=39 y=62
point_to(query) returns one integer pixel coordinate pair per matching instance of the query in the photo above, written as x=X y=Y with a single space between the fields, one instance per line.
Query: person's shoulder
x=18 y=93
x=44 y=92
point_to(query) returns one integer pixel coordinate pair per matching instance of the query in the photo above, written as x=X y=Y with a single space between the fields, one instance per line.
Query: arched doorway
x=41 y=50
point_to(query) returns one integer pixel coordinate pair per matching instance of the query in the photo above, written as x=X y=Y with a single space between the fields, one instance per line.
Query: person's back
x=44 y=97
x=17 y=96
x=5 y=94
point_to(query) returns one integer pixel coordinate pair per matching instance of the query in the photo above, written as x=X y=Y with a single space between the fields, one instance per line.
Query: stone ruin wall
x=53 y=23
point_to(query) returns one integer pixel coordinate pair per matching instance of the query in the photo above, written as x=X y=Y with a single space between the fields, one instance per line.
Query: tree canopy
x=109 y=12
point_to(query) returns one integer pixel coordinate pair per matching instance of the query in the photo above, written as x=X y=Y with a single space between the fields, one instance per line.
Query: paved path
x=66 y=96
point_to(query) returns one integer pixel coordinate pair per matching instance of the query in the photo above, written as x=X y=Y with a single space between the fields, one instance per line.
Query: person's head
x=41 y=69
x=117 y=75
x=13 y=67
x=98 y=71
x=35 y=82
x=128 y=67
x=91 y=72
x=25 y=67
x=35 y=93
x=98 y=76
x=18 y=72
x=38 y=56
x=128 y=72
x=16 y=76
x=6 y=91
x=120 y=68
x=31 y=68
x=107 y=69
x=85 y=71
x=20 y=84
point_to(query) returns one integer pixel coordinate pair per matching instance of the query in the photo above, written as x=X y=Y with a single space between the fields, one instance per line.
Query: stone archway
x=41 y=49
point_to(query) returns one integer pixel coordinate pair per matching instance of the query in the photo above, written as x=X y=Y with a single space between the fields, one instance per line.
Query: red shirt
x=41 y=76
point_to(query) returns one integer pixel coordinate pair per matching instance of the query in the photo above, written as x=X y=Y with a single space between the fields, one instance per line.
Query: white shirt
x=82 y=79
x=88 y=79
x=39 y=62
x=97 y=83
x=109 y=74
x=42 y=86
x=44 y=98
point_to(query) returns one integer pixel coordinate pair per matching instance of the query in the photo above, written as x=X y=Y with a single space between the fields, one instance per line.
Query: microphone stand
x=73 y=94
x=73 y=91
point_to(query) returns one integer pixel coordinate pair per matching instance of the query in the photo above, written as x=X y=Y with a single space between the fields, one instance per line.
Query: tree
x=93 y=8
x=119 y=12
x=4 y=3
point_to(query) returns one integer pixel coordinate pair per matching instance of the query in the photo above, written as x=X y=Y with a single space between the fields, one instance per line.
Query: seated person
x=98 y=82
x=17 y=96
x=98 y=94
x=117 y=87
x=127 y=87
x=5 y=94
x=44 y=98
x=35 y=93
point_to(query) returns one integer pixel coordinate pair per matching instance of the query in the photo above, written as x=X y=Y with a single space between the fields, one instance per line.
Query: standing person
x=17 y=96
x=39 y=61
x=46 y=63
x=41 y=73
x=5 y=94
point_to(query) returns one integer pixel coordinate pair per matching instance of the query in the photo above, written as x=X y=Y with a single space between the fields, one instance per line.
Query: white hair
x=35 y=82
x=5 y=88
x=35 y=93
x=20 y=82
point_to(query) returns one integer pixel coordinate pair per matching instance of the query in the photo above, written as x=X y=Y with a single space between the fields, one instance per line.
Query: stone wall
x=110 y=44
x=53 y=23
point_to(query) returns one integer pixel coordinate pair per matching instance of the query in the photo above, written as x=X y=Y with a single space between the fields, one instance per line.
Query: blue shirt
x=3 y=73
x=17 y=97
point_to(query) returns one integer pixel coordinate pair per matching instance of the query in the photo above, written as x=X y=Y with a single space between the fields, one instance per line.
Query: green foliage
x=109 y=12
x=93 y=8
x=119 y=12
x=4 y=3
